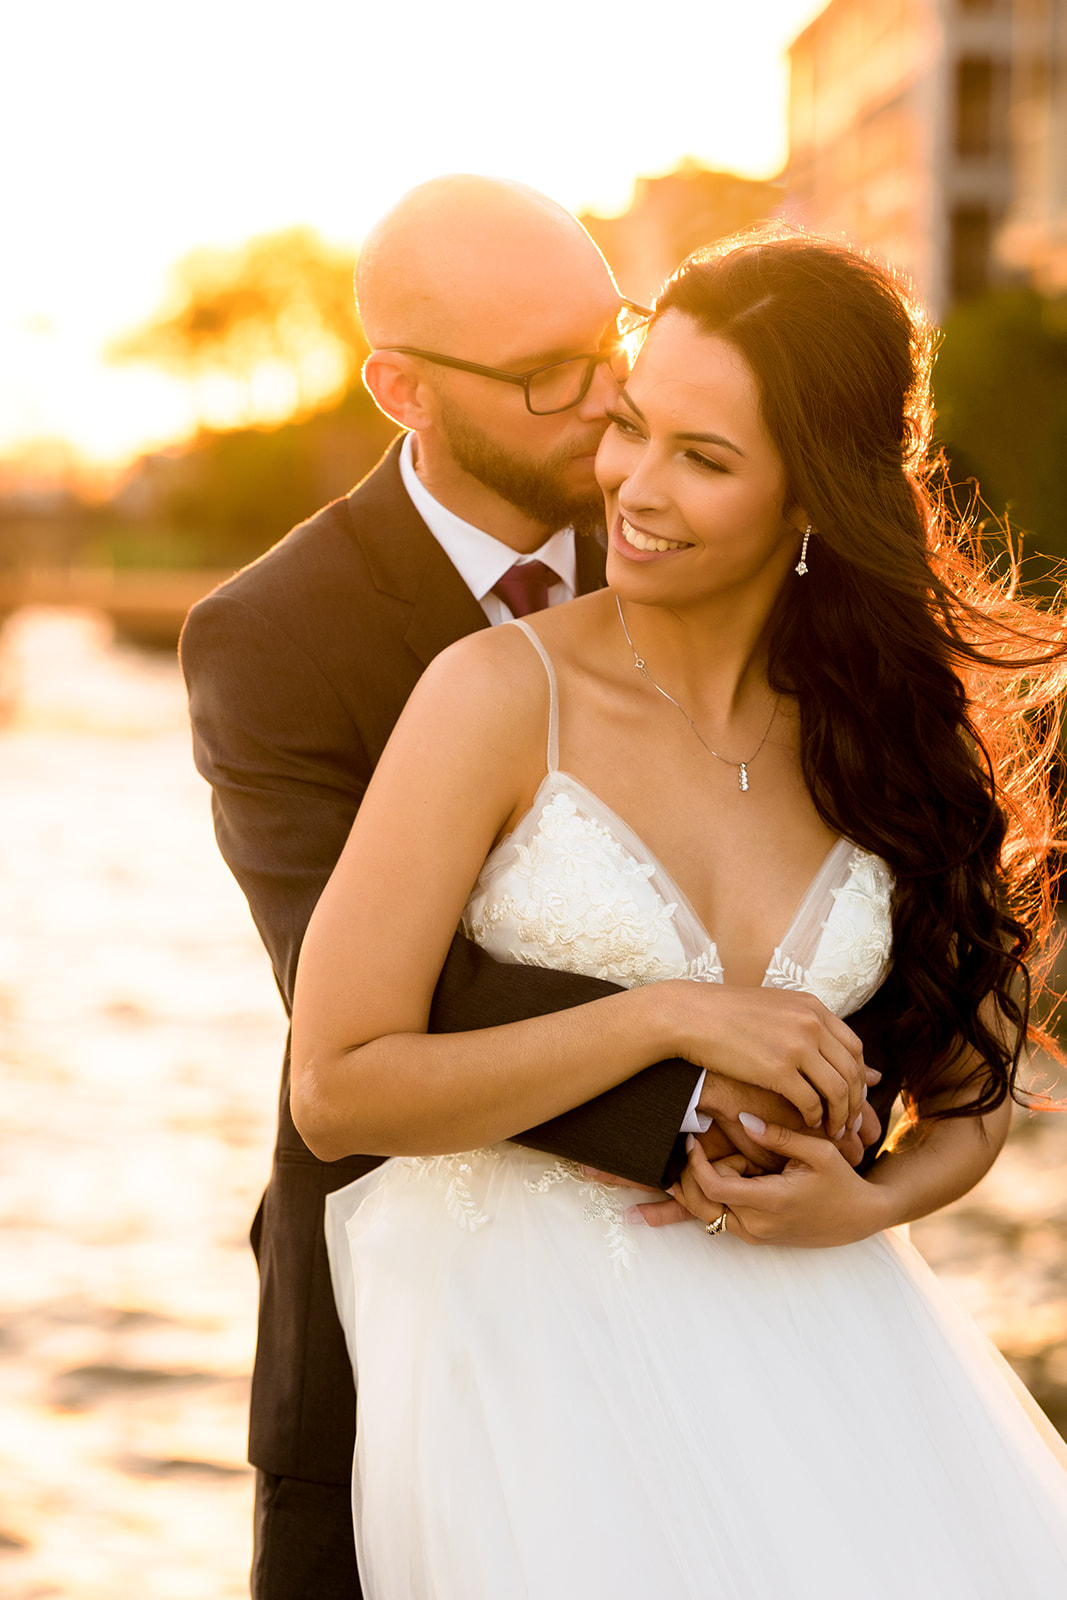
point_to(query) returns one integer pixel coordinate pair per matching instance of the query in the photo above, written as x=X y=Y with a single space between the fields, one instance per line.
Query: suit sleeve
x=284 y=761
x=288 y=770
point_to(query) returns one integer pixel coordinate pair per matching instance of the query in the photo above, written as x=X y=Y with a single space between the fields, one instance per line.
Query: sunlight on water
x=140 y=1039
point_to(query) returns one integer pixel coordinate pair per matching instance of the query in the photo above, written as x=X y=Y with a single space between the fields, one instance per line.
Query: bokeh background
x=185 y=193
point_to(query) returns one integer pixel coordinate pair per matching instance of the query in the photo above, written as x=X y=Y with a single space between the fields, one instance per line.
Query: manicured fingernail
x=690 y=1141
x=857 y=1123
x=839 y=1136
x=635 y=1217
x=588 y=1172
x=752 y=1124
x=865 y=1091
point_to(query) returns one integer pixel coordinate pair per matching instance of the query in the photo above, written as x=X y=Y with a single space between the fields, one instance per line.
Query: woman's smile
x=648 y=543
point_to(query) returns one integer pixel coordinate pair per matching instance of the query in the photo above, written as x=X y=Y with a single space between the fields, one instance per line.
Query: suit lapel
x=445 y=610
x=406 y=562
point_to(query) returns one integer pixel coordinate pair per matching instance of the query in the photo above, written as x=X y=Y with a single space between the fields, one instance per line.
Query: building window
x=974 y=106
x=969 y=259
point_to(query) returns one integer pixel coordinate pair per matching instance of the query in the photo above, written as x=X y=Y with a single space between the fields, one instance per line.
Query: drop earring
x=802 y=565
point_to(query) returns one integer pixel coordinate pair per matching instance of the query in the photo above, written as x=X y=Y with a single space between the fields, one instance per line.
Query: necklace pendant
x=639 y=663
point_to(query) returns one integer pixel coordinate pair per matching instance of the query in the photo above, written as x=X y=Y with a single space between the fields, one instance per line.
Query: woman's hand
x=815 y=1201
x=779 y=1039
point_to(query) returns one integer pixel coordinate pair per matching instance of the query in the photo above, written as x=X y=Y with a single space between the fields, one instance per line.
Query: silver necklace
x=741 y=767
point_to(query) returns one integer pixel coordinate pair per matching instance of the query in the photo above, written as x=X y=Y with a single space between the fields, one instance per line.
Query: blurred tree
x=1001 y=392
x=268 y=335
x=265 y=331
x=228 y=494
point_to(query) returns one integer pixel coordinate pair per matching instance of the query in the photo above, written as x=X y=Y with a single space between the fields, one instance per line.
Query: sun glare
x=264 y=118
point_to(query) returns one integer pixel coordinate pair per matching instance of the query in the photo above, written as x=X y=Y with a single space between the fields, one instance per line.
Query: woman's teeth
x=641 y=541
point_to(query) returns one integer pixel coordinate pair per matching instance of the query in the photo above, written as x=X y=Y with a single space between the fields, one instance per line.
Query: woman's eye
x=704 y=462
x=623 y=425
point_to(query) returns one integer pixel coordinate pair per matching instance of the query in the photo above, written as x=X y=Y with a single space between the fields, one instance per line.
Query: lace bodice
x=573 y=887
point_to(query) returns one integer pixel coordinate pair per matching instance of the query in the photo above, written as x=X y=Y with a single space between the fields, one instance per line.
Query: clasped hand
x=777 y=1063
x=816 y=1200
x=782 y=1040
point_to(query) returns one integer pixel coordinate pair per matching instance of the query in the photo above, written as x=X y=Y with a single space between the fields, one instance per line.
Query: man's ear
x=398 y=389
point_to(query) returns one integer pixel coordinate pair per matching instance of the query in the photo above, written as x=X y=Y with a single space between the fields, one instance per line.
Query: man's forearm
x=633 y=1129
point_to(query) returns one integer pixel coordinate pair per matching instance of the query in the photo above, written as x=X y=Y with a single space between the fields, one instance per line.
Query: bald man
x=494 y=324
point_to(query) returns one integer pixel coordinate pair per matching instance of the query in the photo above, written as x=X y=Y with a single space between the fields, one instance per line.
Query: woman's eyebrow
x=713 y=438
x=705 y=438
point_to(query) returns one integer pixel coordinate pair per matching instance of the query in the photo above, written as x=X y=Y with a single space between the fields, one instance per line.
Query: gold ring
x=719 y=1225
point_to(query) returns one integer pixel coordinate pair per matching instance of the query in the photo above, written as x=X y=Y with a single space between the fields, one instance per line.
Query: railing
x=146 y=606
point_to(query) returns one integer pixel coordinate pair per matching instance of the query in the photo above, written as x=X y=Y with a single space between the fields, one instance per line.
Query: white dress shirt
x=481 y=562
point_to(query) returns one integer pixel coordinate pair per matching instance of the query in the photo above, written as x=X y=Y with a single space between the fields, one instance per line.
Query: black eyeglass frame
x=526 y=378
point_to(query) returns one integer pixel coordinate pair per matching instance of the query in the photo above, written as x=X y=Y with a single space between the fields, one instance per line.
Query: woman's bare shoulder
x=576 y=618
x=500 y=669
x=483 y=661
x=578 y=633
x=488 y=692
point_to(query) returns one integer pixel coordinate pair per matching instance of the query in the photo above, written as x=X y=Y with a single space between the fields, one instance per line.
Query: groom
x=494 y=326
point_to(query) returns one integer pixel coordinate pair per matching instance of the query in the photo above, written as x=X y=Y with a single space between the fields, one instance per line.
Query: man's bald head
x=461 y=261
x=492 y=273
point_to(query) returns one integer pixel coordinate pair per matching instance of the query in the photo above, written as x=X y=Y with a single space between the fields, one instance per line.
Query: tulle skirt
x=553 y=1404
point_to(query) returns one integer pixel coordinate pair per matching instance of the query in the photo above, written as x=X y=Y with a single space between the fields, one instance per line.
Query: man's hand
x=726 y=1100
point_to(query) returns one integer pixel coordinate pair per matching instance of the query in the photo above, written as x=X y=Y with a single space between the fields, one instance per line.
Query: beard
x=537 y=488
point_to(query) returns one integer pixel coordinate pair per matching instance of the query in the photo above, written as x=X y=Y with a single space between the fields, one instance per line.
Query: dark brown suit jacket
x=297 y=668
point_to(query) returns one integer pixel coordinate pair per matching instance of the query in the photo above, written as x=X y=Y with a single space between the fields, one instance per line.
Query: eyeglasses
x=561 y=384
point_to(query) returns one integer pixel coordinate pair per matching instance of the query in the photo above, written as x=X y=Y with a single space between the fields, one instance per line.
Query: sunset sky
x=133 y=133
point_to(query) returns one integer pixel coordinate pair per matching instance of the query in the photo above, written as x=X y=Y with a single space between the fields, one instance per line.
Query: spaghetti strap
x=552 y=753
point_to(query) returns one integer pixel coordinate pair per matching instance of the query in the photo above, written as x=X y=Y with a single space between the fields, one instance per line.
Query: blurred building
x=671 y=216
x=901 y=119
x=1035 y=235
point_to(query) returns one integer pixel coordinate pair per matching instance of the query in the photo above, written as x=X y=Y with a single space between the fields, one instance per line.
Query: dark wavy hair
x=929 y=688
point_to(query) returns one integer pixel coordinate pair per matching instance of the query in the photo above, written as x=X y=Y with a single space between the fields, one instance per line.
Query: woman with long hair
x=797 y=750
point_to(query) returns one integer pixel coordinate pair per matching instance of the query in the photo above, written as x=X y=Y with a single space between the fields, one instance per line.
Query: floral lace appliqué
x=855 y=942
x=456 y=1172
x=456 y=1175
x=785 y=974
x=577 y=900
x=705 y=968
x=602 y=1205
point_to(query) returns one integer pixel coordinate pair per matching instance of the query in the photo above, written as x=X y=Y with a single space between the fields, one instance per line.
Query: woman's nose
x=642 y=489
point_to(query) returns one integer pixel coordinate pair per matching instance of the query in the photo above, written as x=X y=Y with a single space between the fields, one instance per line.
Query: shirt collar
x=481 y=560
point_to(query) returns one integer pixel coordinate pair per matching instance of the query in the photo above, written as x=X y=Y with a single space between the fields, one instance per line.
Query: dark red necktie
x=524 y=587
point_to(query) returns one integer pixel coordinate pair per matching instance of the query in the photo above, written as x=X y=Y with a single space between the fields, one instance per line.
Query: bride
x=787 y=756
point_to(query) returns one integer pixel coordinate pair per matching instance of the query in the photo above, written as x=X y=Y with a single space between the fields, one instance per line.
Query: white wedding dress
x=556 y=1405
